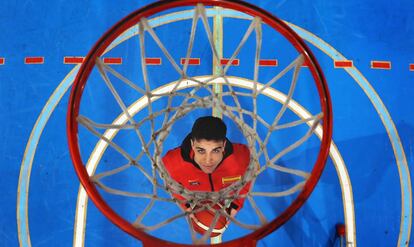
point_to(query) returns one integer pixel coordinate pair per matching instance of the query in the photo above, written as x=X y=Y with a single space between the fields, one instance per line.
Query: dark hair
x=209 y=128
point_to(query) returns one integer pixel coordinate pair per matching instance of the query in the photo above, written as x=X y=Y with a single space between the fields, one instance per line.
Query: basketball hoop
x=192 y=101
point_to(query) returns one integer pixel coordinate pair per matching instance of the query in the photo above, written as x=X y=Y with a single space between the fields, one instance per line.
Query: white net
x=239 y=100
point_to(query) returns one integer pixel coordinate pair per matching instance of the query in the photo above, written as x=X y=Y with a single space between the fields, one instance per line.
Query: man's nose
x=209 y=158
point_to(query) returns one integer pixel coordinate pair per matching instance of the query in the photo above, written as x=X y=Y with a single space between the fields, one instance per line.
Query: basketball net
x=187 y=94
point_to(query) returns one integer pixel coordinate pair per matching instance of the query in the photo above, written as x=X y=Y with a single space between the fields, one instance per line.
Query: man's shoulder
x=241 y=154
x=172 y=154
x=239 y=148
x=237 y=161
x=172 y=157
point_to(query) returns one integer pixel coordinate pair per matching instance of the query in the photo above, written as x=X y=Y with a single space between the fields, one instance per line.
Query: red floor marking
x=73 y=60
x=191 y=61
x=34 y=60
x=411 y=66
x=2 y=60
x=153 y=61
x=112 y=60
x=343 y=64
x=224 y=61
x=380 y=65
x=268 y=62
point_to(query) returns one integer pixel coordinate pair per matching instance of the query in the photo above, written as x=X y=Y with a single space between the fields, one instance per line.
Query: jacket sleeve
x=168 y=161
x=237 y=204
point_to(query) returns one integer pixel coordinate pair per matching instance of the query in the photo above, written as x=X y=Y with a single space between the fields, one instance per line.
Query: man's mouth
x=208 y=166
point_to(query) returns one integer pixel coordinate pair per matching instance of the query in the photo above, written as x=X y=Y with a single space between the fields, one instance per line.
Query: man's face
x=208 y=153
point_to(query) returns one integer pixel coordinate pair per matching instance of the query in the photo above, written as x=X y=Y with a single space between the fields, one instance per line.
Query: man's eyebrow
x=200 y=148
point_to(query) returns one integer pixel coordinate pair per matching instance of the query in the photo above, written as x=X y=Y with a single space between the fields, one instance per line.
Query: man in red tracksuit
x=208 y=161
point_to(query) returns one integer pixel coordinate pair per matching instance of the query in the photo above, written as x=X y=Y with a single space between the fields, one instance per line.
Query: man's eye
x=200 y=151
x=216 y=151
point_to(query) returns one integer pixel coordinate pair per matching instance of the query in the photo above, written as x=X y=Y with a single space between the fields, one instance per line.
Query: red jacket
x=183 y=169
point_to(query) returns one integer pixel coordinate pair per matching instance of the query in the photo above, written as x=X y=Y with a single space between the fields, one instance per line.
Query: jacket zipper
x=211 y=182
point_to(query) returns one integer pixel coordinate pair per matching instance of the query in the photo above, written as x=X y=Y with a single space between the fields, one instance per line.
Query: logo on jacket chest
x=230 y=180
x=194 y=182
